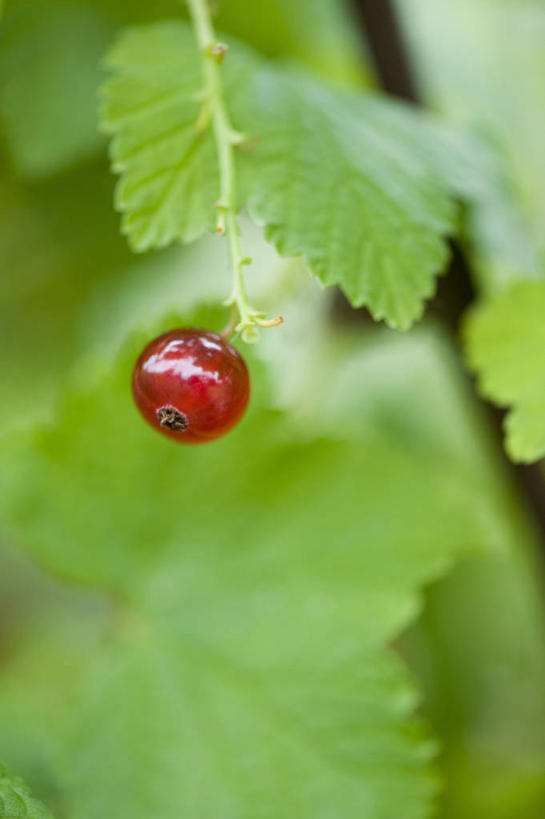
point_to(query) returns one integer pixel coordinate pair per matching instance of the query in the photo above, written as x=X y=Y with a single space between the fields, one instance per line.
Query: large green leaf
x=344 y=179
x=505 y=338
x=256 y=583
x=16 y=801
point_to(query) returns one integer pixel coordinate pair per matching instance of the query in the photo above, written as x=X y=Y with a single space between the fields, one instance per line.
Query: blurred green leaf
x=505 y=338
x=56 y=247
x=497 y=90
x=16 y=801
x=485 y=696
x=245 y=669
x=49 y=60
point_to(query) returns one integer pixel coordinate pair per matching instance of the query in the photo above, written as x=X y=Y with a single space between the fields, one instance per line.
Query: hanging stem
x=226 y=138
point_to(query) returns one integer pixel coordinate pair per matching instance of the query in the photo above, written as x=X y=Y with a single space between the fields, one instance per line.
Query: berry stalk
x=226 y=138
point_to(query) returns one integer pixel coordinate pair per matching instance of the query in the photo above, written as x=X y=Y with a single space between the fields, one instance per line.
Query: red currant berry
x=191 y=385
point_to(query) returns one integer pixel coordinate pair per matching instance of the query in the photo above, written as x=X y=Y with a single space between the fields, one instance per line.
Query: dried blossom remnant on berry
x=171 y=418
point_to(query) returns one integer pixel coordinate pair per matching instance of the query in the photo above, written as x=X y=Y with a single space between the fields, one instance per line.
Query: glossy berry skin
x=191 y=385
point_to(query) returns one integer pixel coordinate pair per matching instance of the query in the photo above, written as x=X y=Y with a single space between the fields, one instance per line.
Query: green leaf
x=505 y=338
x=169 y=174
x=343 y=178
x=16 y=801
x=245 y=671
x=496 y=716
x=55 y=248
x=49 y=60
x=169 y=171
x=340 y=179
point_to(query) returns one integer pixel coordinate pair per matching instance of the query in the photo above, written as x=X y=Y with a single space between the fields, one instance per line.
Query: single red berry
x=191 y=385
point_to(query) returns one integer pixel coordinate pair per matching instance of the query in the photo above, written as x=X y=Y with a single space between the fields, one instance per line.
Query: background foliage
x=339 y=606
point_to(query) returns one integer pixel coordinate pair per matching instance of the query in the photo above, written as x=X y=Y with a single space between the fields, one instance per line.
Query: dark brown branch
x=382 y=34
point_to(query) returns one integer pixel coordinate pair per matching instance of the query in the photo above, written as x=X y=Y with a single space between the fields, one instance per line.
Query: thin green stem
x=225 y=138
